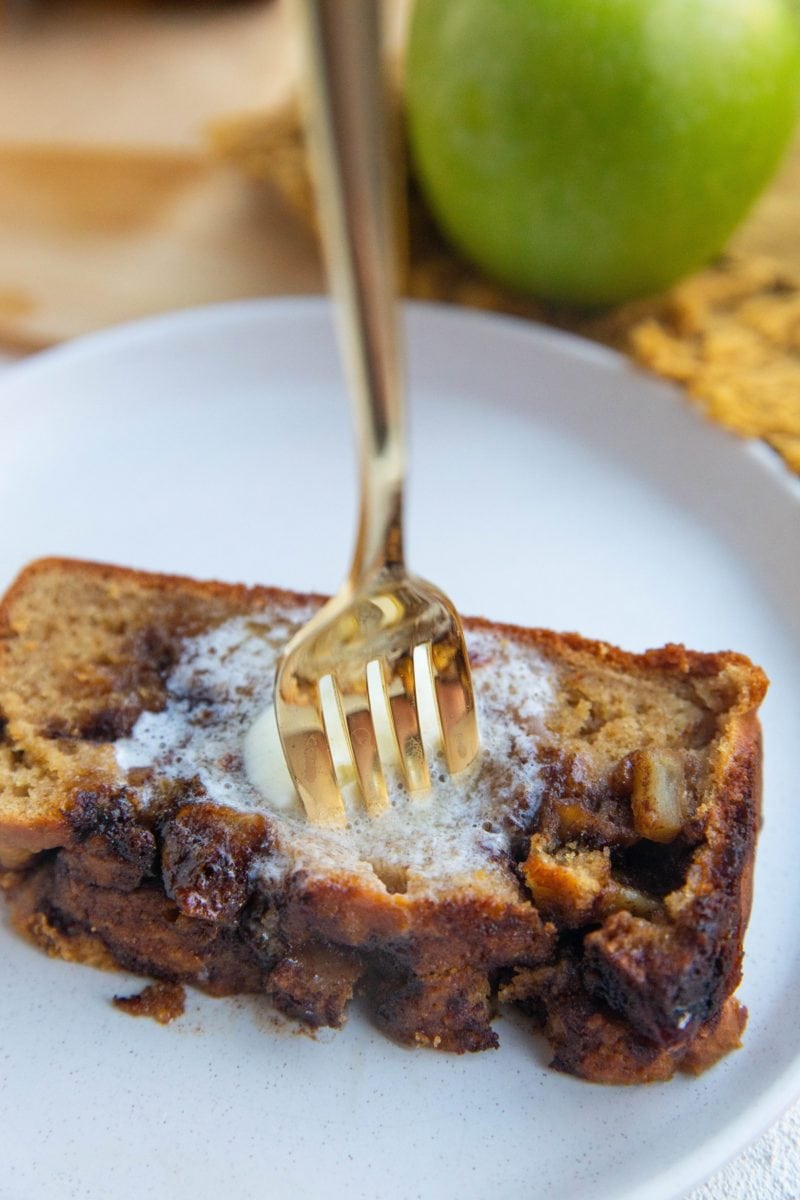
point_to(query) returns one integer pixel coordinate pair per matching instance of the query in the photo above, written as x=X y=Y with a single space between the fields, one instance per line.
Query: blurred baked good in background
x=136 y=72
x=112 y=204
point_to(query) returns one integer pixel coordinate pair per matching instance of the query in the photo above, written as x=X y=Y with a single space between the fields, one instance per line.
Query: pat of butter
x=265 y=765
x=264 y=760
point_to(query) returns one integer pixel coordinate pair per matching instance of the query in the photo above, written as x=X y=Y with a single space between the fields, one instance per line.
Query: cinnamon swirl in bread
x=592 y=867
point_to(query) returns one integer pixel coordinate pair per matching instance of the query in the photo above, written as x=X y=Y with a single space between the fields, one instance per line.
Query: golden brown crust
x=623 y=949
x=234 y=595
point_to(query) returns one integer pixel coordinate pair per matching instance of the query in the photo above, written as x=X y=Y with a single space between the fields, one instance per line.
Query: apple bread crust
x=612 y=912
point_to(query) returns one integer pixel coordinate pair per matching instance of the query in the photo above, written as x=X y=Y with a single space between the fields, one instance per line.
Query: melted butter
x=218 y=727
x=265 y=763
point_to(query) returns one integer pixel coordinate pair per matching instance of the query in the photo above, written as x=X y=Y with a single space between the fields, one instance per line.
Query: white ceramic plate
x=552 y=484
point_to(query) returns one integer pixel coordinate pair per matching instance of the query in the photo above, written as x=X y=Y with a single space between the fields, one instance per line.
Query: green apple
x=588 y=151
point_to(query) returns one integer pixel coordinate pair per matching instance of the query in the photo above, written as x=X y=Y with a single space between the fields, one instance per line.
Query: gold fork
x=381 y=614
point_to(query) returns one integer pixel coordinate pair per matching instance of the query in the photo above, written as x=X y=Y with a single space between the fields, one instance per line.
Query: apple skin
x=590 y=151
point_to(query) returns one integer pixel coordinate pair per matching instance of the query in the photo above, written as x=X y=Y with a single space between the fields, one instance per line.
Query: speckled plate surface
x=551 y=485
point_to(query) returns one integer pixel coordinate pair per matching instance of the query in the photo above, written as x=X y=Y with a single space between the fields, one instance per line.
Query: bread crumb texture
x=162 y=1002
x=592 y=868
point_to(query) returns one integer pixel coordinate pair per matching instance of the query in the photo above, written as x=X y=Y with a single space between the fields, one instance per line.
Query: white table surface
x=769 y=1169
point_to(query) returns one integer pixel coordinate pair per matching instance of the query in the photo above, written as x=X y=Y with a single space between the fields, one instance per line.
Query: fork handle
x=350 y=128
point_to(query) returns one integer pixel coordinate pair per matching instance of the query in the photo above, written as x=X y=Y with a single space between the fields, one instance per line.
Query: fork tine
x=355 y=707
x=456 y=703
x=308 y=756
x=401 y=692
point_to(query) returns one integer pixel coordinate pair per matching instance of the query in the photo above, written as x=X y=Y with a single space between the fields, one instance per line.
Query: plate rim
x=229 y=312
